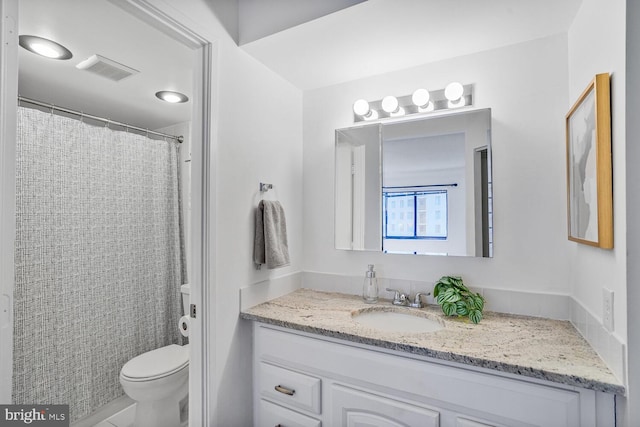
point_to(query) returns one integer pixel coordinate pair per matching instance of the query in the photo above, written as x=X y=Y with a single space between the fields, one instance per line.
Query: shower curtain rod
x=179 y=139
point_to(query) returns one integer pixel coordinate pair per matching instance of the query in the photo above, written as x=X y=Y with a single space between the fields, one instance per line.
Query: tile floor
x=124 y=418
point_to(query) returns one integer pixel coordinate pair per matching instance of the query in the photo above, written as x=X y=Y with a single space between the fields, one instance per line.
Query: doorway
x=200 y=77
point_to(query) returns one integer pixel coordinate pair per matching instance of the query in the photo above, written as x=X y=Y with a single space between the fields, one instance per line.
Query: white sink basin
x=391 y=319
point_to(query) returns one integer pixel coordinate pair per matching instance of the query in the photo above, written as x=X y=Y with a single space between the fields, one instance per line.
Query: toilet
x=158 y=381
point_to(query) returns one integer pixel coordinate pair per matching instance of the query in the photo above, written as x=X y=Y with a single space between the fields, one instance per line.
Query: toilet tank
x=186 y=297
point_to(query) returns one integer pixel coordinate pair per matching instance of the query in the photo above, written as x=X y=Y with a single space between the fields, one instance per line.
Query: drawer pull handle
x=284 y=390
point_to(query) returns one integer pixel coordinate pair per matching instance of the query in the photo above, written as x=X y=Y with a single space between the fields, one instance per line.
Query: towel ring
x=265 y=187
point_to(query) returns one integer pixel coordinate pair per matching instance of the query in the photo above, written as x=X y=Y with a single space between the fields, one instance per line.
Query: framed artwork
x=589 y=177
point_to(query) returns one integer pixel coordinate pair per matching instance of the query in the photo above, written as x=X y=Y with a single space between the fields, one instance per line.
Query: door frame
x=8 y=124
x=202 y=185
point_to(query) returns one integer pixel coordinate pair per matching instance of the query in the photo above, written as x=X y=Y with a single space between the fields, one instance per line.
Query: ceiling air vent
x=106 y=68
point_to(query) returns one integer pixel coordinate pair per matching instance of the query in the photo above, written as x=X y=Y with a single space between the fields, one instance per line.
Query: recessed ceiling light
x=44 y=47
x=172 y=97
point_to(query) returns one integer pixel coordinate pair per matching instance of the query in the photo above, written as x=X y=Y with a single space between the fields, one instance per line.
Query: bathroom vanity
x=315 y=365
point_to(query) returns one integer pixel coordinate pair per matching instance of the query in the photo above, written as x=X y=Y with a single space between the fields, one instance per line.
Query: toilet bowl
x=158 y=381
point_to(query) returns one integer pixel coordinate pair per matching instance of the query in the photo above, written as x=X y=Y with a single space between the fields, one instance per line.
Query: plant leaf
x=478 y=302
x=471 y=302
x=449 y=308
x=445 y=280
x=451 y=295
x=475 y=316
x=461 y=308
x=438 y=288
x=455 y=280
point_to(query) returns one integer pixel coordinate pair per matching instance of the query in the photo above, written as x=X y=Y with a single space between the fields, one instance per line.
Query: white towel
x=270 y=244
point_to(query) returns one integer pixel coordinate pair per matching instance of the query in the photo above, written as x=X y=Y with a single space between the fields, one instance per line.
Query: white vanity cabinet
x=303 y=379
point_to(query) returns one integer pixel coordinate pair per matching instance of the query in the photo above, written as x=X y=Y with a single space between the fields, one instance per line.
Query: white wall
x=526 y=87
x=593 y=50
x=257 y=133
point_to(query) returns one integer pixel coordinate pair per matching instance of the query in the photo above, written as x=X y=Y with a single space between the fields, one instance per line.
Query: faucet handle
x=417 y=300
x=398 y=298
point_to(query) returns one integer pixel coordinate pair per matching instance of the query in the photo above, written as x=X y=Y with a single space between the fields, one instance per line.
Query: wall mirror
x=420 y=186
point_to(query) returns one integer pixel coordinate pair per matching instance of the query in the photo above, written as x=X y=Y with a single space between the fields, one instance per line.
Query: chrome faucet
x=399 y=298
x=405 y=300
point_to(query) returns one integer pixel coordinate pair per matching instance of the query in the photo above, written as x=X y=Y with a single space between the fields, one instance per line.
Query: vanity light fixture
x=362 y=109
x=44 y=47
x=454 y=95
x=172 y=97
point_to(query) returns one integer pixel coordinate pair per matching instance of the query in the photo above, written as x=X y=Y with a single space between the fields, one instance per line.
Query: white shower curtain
x=99 y=258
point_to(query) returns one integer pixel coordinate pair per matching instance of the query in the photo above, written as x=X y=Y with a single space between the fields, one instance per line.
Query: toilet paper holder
x=184 y=326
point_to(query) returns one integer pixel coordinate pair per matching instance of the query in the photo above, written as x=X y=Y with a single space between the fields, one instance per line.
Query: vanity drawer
x=272 y=415
x=292 y=388
x=465 y=422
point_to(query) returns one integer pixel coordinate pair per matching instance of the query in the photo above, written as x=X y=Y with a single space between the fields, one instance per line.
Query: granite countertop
x=546 y=349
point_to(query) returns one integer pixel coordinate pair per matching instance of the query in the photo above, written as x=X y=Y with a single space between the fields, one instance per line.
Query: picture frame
x=589 y=170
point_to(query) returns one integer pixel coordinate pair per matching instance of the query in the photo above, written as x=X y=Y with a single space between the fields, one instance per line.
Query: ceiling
x=260 y=18
x=91 y=27
x=323 y=46
x=379 y=36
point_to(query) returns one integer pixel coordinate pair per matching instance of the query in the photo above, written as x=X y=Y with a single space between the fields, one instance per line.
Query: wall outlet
x=607 y=309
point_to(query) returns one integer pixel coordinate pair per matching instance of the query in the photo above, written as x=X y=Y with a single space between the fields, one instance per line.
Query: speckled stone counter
x=540 y=348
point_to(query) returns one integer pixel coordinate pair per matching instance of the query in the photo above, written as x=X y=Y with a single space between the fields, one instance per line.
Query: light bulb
x=390 y=104
x=171 y=96
x=457 y=104
x=372 y=115
x=44 y=50
x=361 y=107
x=427 y=108
x=399 y=112
x=44 y=47
x=420 y=98
x=453 y=91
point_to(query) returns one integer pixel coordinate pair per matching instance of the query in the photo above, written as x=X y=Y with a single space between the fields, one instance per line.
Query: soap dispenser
x=370 y=287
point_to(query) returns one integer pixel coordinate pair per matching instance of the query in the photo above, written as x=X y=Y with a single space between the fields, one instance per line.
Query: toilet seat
x=155 y=364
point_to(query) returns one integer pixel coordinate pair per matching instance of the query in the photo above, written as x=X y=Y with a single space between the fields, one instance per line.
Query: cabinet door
x=355 y=408
x=272 y=415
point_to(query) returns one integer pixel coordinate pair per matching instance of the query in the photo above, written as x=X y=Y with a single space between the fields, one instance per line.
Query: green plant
x=457 y=300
